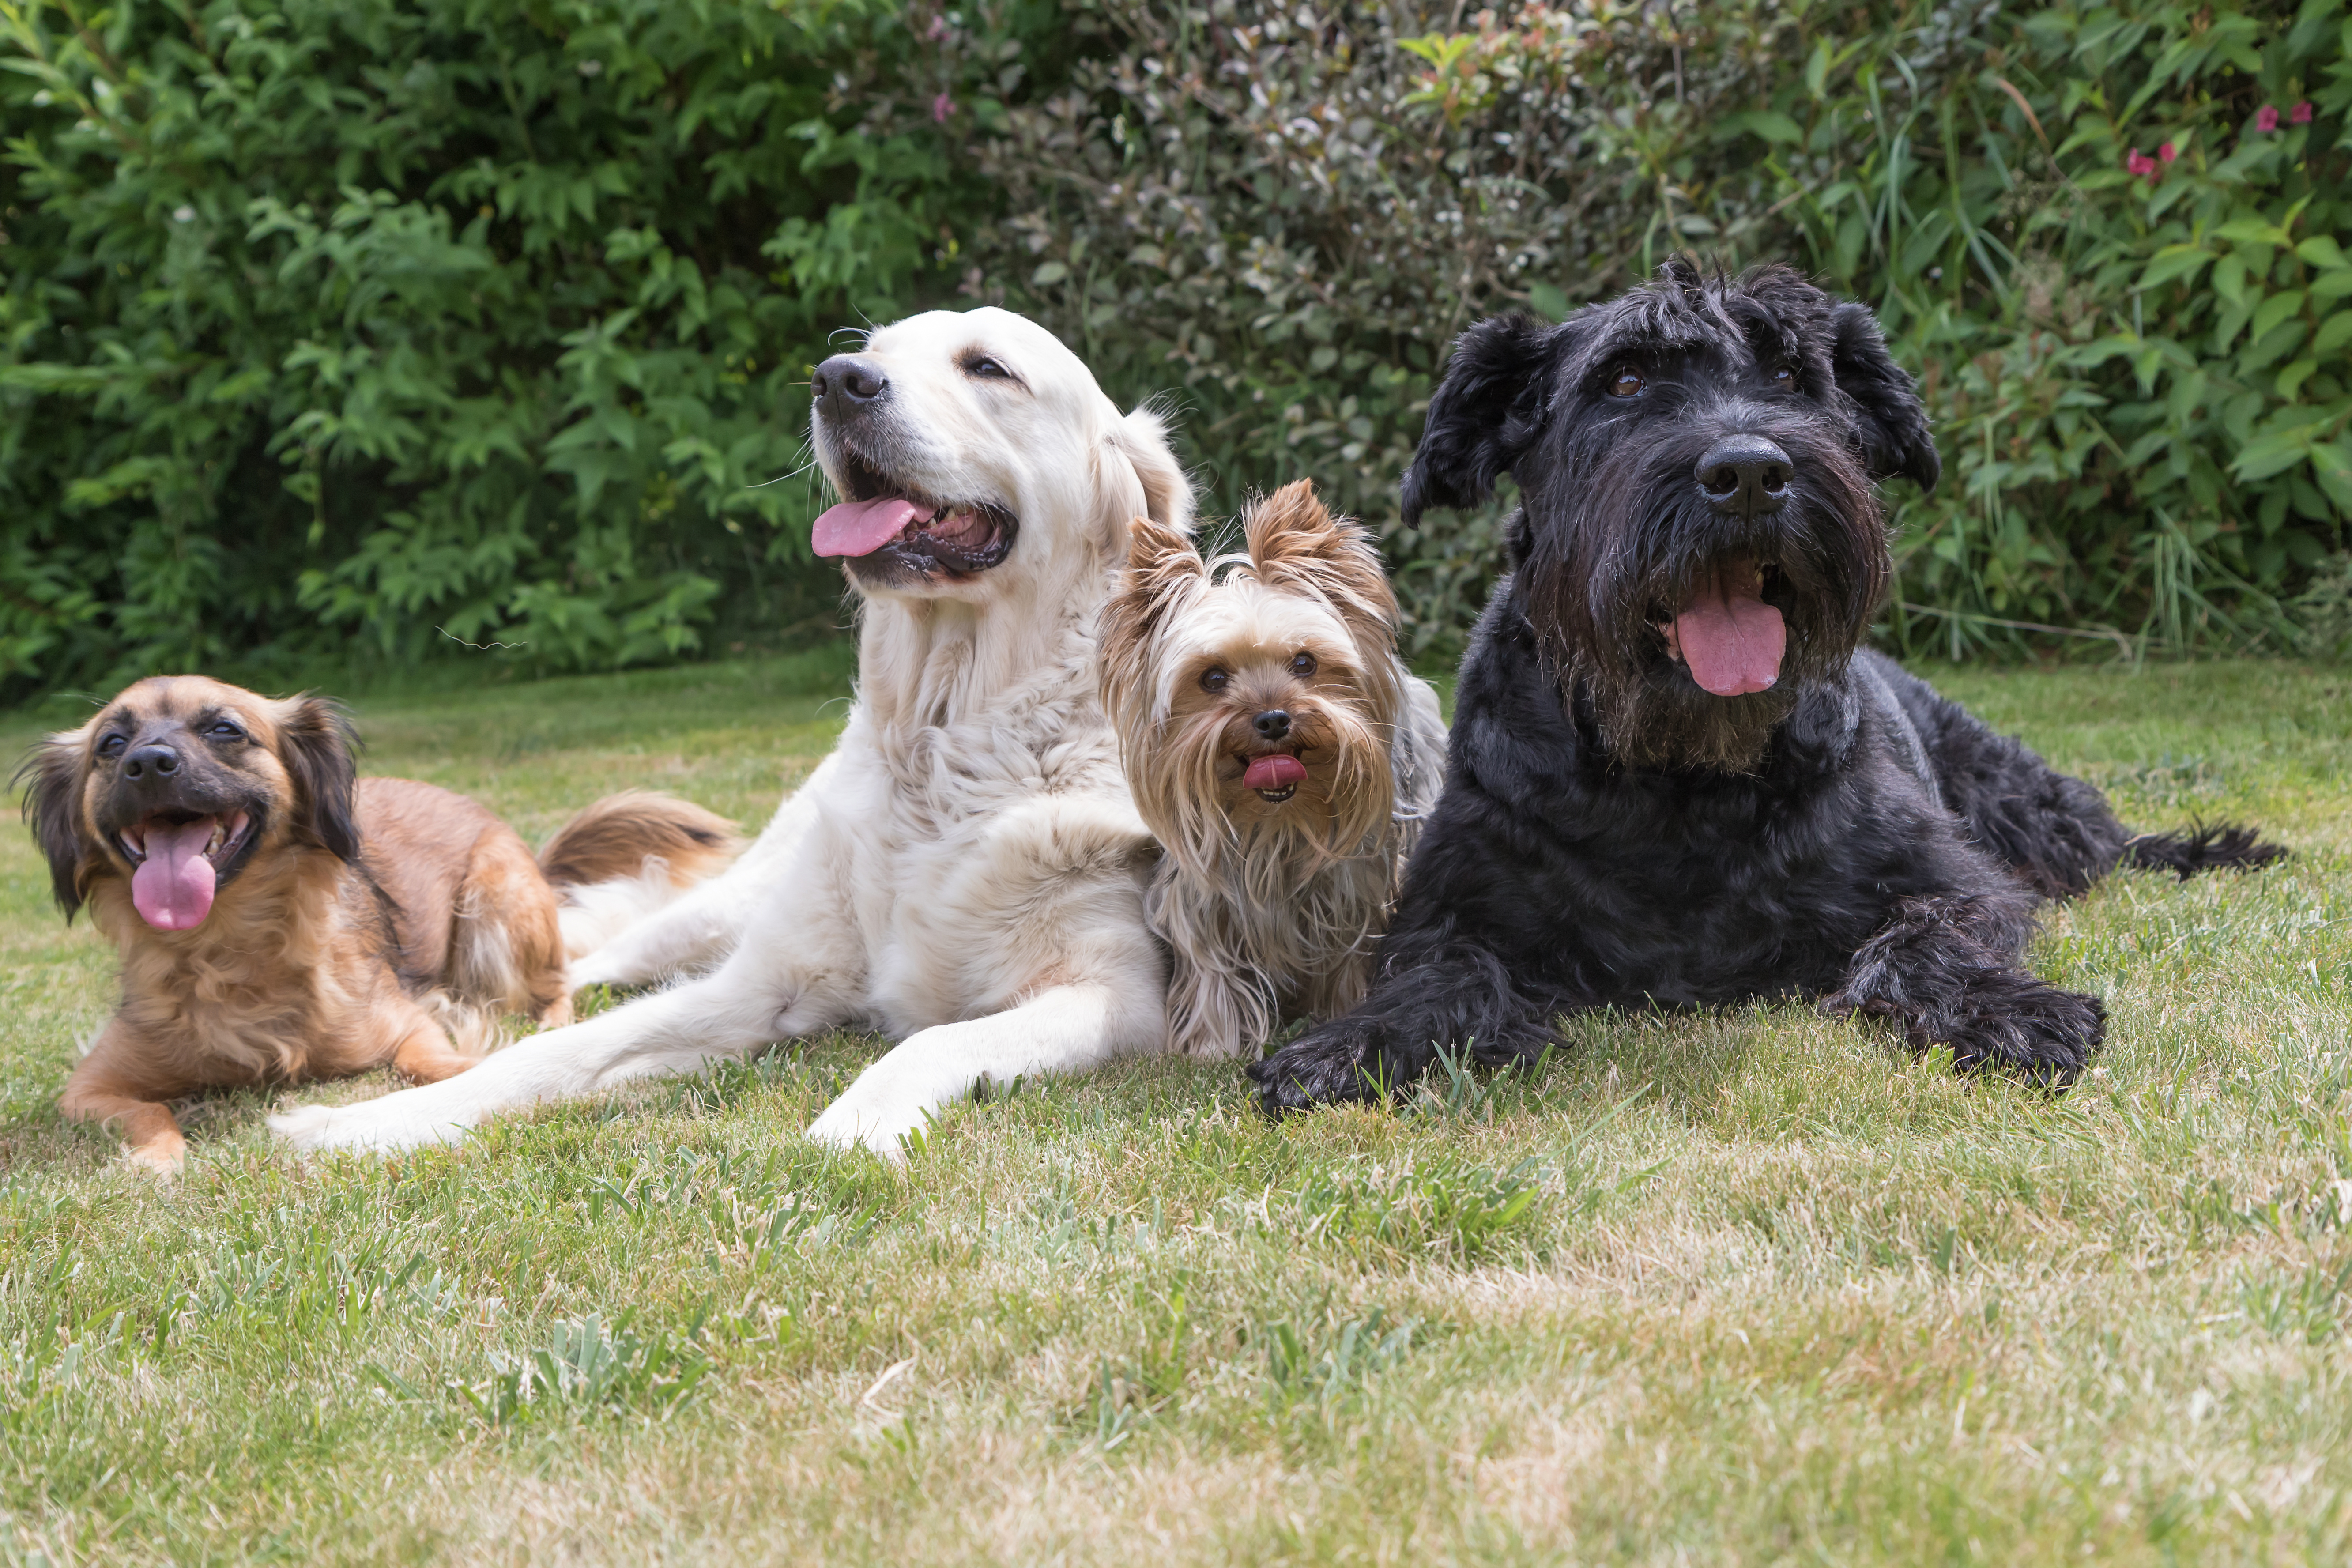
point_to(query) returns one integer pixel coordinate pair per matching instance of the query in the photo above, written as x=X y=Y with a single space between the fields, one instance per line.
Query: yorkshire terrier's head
x=1255 y=696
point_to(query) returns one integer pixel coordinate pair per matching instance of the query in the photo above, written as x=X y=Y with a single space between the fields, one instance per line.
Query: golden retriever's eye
x=112 y=746
x=1627 y=383
x=986 y=369
x=1303 y=665
x=1214 y=679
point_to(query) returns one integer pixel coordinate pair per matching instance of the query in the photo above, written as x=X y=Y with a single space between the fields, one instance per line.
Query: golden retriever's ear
x=315 y=743
x=52 y=775
x=1298 y=546
x=1142 y=438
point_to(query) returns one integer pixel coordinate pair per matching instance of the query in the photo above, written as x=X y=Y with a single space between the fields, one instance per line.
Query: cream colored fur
x=966 y=871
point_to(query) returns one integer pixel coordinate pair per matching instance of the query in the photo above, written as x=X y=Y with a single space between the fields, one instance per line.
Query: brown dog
x=280 y=921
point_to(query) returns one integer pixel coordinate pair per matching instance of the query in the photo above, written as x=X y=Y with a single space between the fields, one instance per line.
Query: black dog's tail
x=2222 y=847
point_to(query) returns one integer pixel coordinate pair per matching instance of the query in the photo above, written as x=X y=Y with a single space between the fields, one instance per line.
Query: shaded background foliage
x=355 y=328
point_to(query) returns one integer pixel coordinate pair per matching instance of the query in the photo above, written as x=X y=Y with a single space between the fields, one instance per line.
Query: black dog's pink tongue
x=862 y=527
x=1729 y=637
x=172 y=888
x=1274 y=773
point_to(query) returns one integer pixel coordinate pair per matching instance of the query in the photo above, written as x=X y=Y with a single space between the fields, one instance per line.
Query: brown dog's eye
x=224 y=730
x=1213 y=679
x=1627 y=384
x=112 y=745
x=1303 y=666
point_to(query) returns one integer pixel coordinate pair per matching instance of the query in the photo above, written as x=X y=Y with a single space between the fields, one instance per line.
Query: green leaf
x=2174 y=261
x=2252 y=231
x=2274 y=309
x=2322 y=251
x=2273 y=454
x=1546 y=300
x=2333 y=334
x=2294 y=375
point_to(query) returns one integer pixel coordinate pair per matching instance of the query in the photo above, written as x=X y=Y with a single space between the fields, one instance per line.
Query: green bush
x=2139 y=379
x=374 y=323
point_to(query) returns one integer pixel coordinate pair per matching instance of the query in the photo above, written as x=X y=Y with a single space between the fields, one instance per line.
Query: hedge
x=369 y=330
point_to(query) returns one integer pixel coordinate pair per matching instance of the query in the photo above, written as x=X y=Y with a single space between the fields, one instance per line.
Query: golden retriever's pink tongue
x=862 y=527
x=1729 y=637
x=173 y=886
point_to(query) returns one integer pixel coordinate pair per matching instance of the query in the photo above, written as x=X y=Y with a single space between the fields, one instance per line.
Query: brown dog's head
x=178 y=783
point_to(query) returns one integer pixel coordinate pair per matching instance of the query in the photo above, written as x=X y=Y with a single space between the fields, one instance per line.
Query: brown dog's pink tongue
x=1729 y=637
x=1274 y=773
x=862 y=527
x=173 y=887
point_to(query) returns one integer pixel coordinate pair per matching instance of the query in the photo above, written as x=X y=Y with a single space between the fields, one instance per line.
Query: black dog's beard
x=1660 y=720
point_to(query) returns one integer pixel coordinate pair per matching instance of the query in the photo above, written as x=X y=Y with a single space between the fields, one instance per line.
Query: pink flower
x=2139 y=163
x=2167 y=152
x=2266 y=118
x=941 y=107
x=2301 y=114
x=939 y=29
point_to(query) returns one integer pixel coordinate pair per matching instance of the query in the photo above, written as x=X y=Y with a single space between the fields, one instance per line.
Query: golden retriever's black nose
x=1271 y=725
x=1745 y=475
x=845 y=382
x=157 y=761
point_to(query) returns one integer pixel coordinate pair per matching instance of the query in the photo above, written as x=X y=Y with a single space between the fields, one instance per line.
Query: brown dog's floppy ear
x=1296 y=544
x=315 y=743
x=52 y=775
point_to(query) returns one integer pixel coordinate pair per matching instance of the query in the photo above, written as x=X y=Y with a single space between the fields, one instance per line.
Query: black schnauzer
x=1675 y=778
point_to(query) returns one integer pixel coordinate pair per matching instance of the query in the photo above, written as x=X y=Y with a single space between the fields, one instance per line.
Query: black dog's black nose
x=1745 y=475
x=158 y=760
x=1271 y=725
x=845 y=382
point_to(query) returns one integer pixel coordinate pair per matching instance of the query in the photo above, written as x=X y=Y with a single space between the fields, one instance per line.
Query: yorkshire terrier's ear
x=52 y=775
x=1297 y=546
x=315 y=742
x=1161 y=567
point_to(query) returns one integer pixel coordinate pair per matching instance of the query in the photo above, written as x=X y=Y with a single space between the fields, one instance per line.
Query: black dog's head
x=1698 y=534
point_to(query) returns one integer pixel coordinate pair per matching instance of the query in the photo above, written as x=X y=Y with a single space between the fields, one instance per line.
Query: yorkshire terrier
x=1281 y=753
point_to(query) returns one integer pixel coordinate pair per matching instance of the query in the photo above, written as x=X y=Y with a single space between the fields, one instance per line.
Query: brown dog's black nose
x=150 y=761
x=1271 y=725
x=846 y=383
x=1745 y=475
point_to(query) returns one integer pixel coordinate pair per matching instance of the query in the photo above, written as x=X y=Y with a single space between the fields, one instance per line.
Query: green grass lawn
x=1744 y=1288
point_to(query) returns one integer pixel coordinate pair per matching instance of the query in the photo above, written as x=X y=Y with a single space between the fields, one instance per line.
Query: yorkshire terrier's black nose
x=1271 y=725
x=846 y=384
x=1745 y=475
x=160 y=762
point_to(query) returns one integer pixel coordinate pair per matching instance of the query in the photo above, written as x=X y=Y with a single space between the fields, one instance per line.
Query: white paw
x=379 y=1124
x=886 y=1131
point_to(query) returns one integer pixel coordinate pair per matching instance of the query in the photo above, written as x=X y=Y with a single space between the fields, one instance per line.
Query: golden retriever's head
x=179 y=783
x=969 y=445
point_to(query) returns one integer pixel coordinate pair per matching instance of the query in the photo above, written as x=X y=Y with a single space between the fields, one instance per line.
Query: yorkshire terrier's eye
x=1628 y=382
x=1303 y=666
x=1213 y=679
x=112 y=746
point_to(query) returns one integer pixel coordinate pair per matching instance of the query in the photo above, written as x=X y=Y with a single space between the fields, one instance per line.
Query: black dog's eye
x=1784 y=378
x=986 y=369
x=223 y=729
x=112 y=745
x=1213 y=679
x=1303 y=665
x=1627 y=383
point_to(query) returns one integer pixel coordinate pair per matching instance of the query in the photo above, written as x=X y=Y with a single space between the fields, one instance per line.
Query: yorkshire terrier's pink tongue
x=862 y=527
x=1729 y=637
x=173 y=887
x=1274 y=773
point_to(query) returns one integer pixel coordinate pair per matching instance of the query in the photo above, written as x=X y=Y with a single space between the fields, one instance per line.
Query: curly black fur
x=1610 y=833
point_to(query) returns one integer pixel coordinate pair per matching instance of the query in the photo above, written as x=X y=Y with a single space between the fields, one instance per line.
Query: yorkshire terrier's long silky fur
x=352 y=923
x=1269 y=906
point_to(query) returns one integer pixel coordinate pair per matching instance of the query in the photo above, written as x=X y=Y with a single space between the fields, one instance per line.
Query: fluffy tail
x=2225 y=847
x=627 y=856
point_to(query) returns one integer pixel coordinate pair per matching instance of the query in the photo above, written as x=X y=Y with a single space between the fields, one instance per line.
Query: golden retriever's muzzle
x=891 y=532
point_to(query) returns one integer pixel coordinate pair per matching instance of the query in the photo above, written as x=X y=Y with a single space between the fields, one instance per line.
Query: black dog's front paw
x=2032 y=1029
x=1330 y=1062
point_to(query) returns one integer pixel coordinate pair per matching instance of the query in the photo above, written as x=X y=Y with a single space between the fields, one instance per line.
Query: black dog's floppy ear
x=1483 y=414
x=52 y=775
x=315 y=742
x=1894 y=435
